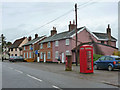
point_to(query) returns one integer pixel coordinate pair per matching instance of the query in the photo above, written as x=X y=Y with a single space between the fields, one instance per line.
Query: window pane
x=48 y=55
x=67 y=41
x=102 y=58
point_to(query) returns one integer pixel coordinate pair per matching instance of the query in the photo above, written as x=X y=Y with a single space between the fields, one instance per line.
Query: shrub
x=96 y=57
x=117 y=53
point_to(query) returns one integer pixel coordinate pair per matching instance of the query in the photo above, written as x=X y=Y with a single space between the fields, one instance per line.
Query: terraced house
x=61 y=44
x=30 y=49
x=16 y=47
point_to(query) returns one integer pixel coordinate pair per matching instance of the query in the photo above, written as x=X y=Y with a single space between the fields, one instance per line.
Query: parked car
x=16 y=58
x=107 y=62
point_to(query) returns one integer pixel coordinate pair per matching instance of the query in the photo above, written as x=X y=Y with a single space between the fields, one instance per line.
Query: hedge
x=96 y=57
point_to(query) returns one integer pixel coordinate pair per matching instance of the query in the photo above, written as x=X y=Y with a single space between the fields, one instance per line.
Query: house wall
x=35 y=47
x=15 y=52
x=45 y=50
x=24 y=42
x=106 y=49
x=84 y=36
x=27 y=50
x=61 y=48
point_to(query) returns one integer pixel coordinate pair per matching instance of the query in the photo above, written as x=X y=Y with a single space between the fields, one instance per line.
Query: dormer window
x=48 y=45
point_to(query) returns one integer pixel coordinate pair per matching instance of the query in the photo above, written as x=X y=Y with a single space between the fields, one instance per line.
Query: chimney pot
x=54 y=31
x=109 y=34
x=29 y=39
x=74 y=22
x=72 y=26
x=36 y=36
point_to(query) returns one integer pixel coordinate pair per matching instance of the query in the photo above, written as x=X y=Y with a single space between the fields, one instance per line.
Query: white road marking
x=34 y=78
x=18 y=71
x=55 y=87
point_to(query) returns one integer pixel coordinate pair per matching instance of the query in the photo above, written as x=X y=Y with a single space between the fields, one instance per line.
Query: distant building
x=30 y=49
x=62 y=44
x=16 y=47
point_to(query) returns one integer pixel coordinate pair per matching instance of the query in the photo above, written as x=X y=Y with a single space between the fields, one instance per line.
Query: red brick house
x=30 y=49
x=46 y=48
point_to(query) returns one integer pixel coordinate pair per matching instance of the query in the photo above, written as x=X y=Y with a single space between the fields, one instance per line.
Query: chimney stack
x=29 y=38
x=109 y=34
x=72 y=26
x=54 y=31
x=36 y=36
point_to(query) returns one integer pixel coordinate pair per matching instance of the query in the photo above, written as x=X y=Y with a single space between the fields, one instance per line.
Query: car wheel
x=95 y=67
x=110 y=68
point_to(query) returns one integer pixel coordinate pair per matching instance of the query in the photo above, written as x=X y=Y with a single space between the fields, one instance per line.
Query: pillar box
x=68 y=64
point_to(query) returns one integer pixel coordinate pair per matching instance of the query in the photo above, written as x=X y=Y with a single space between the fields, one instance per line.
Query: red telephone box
x=86 y=59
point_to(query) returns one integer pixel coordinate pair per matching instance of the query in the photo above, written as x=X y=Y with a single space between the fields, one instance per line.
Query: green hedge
x=96 y=57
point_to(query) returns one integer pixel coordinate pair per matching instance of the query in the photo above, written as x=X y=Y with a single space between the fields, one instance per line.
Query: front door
x=62 y=57
x=38 y=60
x=44 y=57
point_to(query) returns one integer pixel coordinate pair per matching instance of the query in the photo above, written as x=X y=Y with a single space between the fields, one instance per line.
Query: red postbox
x=86 y=59
x=66 y=63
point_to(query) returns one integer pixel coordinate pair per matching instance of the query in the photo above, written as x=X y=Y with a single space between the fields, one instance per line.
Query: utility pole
x=76 y=51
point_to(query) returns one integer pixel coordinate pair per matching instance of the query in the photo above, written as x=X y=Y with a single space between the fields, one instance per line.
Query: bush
x=96 y=57
x=117 y=53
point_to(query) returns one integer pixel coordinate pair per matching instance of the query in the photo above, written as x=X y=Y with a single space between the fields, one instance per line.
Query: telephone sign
x=86 y=59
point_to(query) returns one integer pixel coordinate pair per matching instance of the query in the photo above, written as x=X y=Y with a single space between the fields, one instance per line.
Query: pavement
x=54 y=75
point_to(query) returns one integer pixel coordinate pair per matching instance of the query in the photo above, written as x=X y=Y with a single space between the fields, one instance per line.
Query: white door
x=44 y=57
x=62 y=57
x=38 y=60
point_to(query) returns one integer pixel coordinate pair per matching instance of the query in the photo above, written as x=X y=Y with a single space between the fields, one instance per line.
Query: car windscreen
x=117 y=58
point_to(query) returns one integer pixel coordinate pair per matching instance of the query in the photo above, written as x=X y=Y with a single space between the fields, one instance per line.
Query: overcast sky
x=21 y=19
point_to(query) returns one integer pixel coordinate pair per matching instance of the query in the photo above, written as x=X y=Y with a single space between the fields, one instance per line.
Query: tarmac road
x=19 y=76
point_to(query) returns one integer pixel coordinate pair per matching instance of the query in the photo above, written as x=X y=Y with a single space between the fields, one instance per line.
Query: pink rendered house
x=64 y=43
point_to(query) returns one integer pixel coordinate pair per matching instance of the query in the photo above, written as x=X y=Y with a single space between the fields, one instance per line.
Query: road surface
x=18 y=76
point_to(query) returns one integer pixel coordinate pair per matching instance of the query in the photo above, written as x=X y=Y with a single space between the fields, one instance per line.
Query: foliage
x=117 y=53
x=96 y=57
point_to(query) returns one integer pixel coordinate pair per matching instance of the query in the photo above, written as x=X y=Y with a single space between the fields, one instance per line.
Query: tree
x=3 y=41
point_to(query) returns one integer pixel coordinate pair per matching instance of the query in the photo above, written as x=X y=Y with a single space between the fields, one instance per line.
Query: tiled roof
x=104 y=36
x=59 y=36
x=17 y=42
x=33 y=41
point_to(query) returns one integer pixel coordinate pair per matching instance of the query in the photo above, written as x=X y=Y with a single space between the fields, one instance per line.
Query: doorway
x=62 y=57
x=44 y=57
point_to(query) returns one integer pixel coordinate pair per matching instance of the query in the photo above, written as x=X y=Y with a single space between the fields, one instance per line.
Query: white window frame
x=24 y=47
x=48 y=57
x=49 y=45
x=30 y=47
x=41 y=46
x=56 y=43
x=29 y=54
x=24 y=54
x=67 y=52
x=41 y=55
x=56 y=54
x=67 y=42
